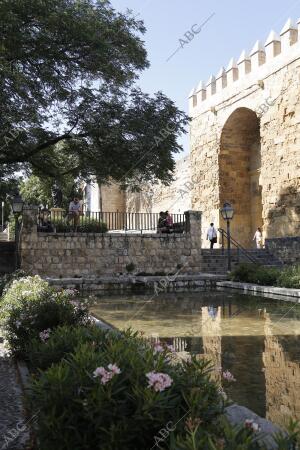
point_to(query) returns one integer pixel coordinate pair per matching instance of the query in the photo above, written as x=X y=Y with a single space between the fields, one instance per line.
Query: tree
x=67 y=75
x=39 y=191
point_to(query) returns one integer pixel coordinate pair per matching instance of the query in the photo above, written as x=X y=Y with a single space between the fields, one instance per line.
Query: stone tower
x=245 y=139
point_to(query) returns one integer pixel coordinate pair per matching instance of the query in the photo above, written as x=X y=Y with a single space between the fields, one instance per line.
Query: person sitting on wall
x=162 y=224
x=169 y=222
x=44 y=221
x=75 y=211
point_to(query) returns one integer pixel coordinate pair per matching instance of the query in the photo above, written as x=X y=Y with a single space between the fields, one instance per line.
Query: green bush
x=252 y=273
x=86 y=225
x=92 y=226
x=120 y=408
x=78 y=410
x=7 y=279
x=289 y=277
x=64 y=340
x=32 y=309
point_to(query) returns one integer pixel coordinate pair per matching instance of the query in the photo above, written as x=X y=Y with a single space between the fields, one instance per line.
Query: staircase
x=215 y=260
x=7 y=257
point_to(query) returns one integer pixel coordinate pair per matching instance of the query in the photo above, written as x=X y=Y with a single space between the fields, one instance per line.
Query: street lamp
x=17 y=207
x=227 y=213
x=17 y=204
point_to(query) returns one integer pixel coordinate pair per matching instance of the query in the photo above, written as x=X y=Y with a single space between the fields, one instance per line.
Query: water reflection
x=256 y=339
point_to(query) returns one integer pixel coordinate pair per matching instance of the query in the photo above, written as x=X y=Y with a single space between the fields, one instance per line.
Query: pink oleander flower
x=114 y=369
x=171 y=348
x=106 y=375
x=158 y=348
x=159 y=381
x=228 y=376
x=44 y=335
x=71 y=292
x=249 y=423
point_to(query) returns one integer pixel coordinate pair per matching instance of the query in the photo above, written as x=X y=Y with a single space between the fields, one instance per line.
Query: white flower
x=249 y=423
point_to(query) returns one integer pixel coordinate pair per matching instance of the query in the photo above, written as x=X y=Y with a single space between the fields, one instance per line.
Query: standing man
x=75 y=211
x=212 y=235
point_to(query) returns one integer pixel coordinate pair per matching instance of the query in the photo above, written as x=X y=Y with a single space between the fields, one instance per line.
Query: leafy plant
x=130 y=267
x=32 y=309
x=252 y=273
x=92 y=226
x=290 y=277
x=79 y=409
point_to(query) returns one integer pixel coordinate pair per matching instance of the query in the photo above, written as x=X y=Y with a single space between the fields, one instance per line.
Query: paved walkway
x=13 y=427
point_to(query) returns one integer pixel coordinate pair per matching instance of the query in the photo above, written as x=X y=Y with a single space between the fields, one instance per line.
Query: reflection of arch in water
x=282 y=380
x=211 y=336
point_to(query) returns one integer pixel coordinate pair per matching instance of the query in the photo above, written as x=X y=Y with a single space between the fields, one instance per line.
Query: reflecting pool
x=257 y=339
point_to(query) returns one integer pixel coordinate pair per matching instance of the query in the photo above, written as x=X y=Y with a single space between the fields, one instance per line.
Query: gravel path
x=13 y=425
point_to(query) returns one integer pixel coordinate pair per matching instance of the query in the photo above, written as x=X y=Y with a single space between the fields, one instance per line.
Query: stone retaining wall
x=86 y=254
x=286 y=249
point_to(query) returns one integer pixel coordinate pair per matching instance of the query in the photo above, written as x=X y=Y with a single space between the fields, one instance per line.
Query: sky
x=231 y=26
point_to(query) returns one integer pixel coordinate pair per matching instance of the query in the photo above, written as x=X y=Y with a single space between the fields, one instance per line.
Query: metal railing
x=240 y=249
x=100 y=222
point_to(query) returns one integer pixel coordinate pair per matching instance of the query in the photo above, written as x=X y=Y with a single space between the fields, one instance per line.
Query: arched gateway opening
x=239 y=171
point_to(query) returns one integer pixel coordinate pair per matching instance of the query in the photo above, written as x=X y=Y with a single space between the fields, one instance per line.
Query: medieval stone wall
x=287 y=250
x=245 y=140
x=87 y=254
x=175 y=198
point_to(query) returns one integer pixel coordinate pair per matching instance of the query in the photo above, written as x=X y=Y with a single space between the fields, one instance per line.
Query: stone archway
x=239 y=172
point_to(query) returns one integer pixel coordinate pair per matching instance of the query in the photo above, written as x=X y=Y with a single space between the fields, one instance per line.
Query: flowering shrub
x=8 y=278
x=31 y=308
x=118 y=393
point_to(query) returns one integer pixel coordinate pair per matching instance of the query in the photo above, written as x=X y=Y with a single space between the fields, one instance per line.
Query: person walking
x=258 y=238
x=212 y=235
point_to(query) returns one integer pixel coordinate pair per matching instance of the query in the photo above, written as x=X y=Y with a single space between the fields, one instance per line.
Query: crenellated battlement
x=249 y=69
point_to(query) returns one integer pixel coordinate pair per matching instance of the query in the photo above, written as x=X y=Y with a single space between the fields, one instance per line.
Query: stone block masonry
x=93 y=255
x=245 y=137
x=287 y=249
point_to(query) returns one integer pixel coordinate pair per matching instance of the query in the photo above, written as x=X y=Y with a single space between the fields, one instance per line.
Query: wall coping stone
x=283 y=292
x=127 y=235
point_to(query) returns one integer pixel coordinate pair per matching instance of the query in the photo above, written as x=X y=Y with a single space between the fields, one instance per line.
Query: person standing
x=258 y=238
x=212 y=235
x=75 y=211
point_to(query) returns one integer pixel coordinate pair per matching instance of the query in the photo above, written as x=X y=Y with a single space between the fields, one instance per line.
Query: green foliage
x=92 y=226
x=130 y=267
x=86 y=225
x=288 y=277
x=77 y=410
x=30 y=306
x=124 y=413
x=64 y=340
x=37 y=189
x=253 y=273
x=67 y=74
x=7 y=279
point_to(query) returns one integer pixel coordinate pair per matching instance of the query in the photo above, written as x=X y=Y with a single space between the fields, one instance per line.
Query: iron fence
x=101 y=222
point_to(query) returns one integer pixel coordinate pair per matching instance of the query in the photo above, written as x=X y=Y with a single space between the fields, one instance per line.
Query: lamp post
x=227 y=213
x=17 y=207
x=2 y=216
